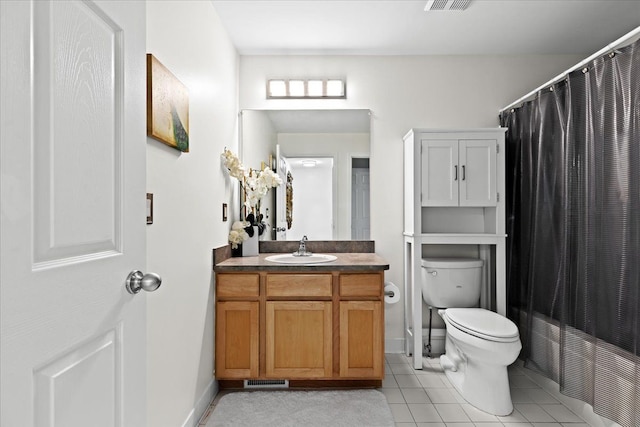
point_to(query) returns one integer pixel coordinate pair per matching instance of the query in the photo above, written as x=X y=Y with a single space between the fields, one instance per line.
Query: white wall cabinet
x=458 y=172
x=454 y=182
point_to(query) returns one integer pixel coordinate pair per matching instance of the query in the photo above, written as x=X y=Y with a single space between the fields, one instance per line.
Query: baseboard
x=202 y=404
x=394 y=345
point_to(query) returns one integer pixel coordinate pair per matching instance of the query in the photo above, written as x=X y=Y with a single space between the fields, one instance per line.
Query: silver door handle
x=279 y=229
x=136 y=281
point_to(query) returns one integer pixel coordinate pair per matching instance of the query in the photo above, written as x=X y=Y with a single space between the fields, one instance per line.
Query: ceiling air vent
x=446 y=5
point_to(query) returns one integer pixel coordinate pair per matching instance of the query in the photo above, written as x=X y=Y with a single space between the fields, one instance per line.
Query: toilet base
x=484 y=386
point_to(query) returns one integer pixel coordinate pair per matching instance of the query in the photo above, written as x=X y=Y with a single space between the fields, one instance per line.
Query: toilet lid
x=483 y=324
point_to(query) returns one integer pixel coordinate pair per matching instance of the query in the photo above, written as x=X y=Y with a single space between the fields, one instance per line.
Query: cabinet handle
x=463 y=173
x=456 y=177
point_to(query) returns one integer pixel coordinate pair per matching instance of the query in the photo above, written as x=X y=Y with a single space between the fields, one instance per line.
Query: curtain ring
x=585 y=70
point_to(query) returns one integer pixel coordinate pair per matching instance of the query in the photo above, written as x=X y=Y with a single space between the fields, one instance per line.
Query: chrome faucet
x=302 y=250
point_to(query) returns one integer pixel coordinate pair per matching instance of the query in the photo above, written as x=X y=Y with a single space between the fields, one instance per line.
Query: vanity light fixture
x=306 y=89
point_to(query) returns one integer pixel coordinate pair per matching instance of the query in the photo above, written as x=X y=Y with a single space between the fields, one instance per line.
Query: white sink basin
x=291 y=259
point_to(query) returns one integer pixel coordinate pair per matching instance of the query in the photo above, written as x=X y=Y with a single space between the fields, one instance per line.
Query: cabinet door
x=477 y=172
x=361 y=335
x=237 y=343
x=299 y=339
x=440 y=173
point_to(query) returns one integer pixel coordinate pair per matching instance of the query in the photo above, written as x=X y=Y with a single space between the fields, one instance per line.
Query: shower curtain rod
x=609 y=48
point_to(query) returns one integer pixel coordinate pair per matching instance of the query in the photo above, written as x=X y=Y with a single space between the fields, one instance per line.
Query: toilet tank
x=451 y=282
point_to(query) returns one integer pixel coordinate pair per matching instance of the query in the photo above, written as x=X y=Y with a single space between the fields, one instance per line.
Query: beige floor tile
x=401 y=413
x=540 y=396
x=408 y=381
x=522 y=381
x=514 y=417
x=476 y=415
x=424 y=412
x=562 y=414
x=441 y=395
x=431 y=381
x=389 y=381
x=401 y=369
x=431 y=425
x=393 y=395
x=534 y=413
x=452 y=413
x=415 y=395
x=520 y=395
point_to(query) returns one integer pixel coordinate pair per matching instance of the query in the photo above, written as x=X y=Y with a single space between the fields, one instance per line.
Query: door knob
x=136 y=281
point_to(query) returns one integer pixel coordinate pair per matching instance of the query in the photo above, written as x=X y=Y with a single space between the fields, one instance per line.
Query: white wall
x=257 y=144
x=189 y=189
x=404 y=92
x=340 y=146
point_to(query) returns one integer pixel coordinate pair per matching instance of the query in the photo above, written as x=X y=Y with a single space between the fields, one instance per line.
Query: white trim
x=200 y=408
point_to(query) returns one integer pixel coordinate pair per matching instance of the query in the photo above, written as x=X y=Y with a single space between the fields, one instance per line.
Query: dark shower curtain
x=573 y=224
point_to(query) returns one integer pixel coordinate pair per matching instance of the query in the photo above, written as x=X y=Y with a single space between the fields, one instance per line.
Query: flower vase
x=250 y=246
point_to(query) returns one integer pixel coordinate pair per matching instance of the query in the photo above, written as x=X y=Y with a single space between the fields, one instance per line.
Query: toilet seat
x=483 y=324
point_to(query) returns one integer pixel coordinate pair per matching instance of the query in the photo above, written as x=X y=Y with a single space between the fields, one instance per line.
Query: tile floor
x=427 y=399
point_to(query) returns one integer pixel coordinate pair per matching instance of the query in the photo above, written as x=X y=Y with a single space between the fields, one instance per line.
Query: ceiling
x=399 y=27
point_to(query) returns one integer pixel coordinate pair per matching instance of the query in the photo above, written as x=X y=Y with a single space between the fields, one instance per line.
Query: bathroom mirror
x=325 y=155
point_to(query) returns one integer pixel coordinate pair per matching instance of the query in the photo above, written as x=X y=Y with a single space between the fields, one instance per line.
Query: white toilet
x=480 y=344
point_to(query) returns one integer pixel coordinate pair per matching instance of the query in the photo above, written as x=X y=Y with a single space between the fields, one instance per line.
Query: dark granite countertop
x=343 y=262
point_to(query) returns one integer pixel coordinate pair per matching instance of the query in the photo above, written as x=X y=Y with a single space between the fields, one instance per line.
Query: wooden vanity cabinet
x=361 y=326
x=298 y=339
x=300 y=326
x=237 y=326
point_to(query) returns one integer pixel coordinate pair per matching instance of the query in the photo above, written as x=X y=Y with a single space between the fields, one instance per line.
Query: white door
x=440 y=172
x=478 y=172
x=282 y=167
x=73 y=213
x=360 y=228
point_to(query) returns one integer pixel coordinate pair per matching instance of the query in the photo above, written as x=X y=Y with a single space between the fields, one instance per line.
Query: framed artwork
x=167 y=106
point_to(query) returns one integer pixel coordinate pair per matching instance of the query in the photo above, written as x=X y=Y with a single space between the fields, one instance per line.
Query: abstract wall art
x=167 y=106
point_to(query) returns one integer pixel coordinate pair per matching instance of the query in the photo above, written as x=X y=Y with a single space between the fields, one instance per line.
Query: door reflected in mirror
x=322 y=156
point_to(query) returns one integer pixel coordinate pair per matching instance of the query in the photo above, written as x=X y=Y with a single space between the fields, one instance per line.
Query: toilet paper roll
x=391 y=293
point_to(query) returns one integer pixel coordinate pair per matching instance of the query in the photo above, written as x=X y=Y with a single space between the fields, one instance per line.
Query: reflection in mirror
x=325 y=154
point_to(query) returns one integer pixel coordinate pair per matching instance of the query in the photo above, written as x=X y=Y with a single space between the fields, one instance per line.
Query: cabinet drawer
x=360 y=285
x=299 y=285
x=237 y=285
